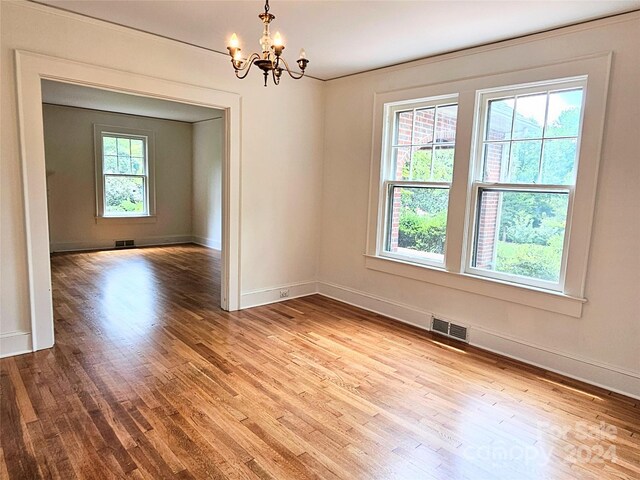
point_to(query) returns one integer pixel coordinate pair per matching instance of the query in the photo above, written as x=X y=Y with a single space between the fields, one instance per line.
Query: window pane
x=419 y=166
x=401 y=163
x=423 y=126
x=563 y=119
x=558 y=160
x=443 y=164
x=521 y=233
x=109 y=146
x=446 y=121
x=525 y=161
x=496 y=159
x=137 y=148
x=500 y=119
x=124 y=195
x=530 y=113
x=137 y=165
x=110 y=164
x=404 y=124
x=418 y=222
x=124 y=146
x=124 y=164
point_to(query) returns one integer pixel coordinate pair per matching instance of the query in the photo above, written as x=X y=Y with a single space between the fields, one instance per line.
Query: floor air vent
x=449 y=329
x=124 y=243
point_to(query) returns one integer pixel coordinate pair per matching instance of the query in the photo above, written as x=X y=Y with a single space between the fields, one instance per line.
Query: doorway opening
x=33 y=69
x=125 y=172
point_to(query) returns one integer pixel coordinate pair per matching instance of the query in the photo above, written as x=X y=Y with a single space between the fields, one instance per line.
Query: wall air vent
x=440 y=326
x=449 y=329
x=457 y=331
x=124 y=243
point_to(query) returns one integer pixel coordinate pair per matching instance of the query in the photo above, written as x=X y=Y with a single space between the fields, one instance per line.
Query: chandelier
x=271 y=60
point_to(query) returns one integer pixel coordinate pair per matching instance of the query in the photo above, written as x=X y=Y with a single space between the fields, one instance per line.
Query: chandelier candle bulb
x=233 y=41
x=270 y=61
x=278 y=44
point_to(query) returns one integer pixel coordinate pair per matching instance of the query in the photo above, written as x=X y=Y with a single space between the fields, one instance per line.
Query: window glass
x=529 y=117
x=499 y=125
x=524 y=164
x=534 y=143
x=418 y=222
x=124 y=195
x=529 y=149
x=422 y=153
x=124 y=175
x=563 y=119
x=521 y=233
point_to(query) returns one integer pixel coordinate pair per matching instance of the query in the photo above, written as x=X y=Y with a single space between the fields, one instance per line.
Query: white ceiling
x=57 y=93
x=347 y=36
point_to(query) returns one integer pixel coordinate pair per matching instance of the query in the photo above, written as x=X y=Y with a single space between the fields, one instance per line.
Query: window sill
x=521 y=294
x=126 y=220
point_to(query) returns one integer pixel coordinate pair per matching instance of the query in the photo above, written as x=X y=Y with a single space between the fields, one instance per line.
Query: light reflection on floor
x=128 y=299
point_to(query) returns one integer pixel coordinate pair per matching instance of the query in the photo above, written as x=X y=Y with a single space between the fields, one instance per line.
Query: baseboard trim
x=15 y=343
x=265 y=296
x=596 y=373
x=109 y=244
x=372 y=303
x=207 y=242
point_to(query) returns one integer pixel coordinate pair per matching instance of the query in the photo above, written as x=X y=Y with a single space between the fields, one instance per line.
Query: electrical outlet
x=284 y=293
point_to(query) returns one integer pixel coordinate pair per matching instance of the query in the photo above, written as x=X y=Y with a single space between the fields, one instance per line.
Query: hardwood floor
x=150 y=379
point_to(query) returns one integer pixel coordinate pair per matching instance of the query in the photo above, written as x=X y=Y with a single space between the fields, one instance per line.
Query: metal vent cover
x=124 y=243
x=449 y=329
x=458 y=331
x=440 y=326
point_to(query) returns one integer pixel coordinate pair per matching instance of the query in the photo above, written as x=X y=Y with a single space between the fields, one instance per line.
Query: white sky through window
x=567 y=101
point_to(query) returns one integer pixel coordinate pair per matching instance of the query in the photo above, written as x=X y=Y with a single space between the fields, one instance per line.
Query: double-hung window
x=418 y=174
x=509 y=215
x=123 y=172
x=524 y=173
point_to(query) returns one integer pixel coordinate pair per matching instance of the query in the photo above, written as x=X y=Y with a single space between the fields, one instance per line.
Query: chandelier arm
x=245 y=73
x=247 y=67
x=289 y=70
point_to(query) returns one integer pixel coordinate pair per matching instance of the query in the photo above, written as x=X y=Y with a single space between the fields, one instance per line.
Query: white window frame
x=478 y=185
x=391 y=111
x=100 y=131
x=568 y=301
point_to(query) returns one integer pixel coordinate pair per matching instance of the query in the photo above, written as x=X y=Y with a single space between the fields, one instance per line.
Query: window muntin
x=524 y=183
x=419 y=166
x=125 y=178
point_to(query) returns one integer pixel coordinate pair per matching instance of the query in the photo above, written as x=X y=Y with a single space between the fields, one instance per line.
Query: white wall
x=69 y=150
x=602 y=346
x=281 y=187
x=208 y=145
